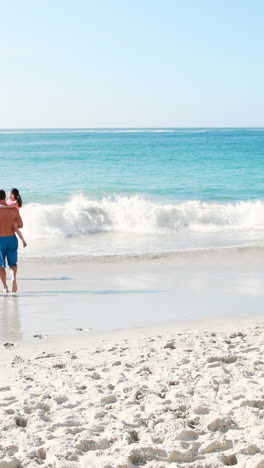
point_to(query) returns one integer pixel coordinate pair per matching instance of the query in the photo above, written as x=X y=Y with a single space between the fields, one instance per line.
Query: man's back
x=8 y=218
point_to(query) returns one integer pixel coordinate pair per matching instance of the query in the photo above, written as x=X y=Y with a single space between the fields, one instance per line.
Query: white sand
x=155 y=398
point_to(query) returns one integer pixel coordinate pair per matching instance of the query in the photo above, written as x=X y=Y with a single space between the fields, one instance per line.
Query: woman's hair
x=16 y=196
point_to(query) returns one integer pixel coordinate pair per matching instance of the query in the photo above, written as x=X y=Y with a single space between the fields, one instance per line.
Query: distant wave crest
x=110 y=130
x=136 y=214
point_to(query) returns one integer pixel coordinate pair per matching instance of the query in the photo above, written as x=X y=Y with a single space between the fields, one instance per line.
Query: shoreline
x=248 y=257
x=56 y=298
x=155 y=255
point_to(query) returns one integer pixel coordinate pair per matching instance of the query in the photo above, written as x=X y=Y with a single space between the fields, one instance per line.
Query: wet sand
x=56 y=297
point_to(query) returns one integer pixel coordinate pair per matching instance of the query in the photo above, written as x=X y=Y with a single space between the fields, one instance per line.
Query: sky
x=131 y=63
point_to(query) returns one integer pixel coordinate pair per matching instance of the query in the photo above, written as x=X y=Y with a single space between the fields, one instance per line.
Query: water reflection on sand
x=10 y=326
x=107 y=297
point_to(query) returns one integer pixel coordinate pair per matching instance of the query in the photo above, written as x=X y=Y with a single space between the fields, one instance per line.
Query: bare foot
x=14 y=286
x=5 y=290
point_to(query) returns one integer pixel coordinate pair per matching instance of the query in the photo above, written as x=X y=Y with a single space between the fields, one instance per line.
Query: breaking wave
x=136 y=214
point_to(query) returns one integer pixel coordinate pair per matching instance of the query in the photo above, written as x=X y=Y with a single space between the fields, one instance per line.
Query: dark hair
x=2 y=195
x=17 y=197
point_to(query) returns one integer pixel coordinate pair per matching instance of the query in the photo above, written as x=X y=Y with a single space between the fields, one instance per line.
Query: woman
x=15 y=201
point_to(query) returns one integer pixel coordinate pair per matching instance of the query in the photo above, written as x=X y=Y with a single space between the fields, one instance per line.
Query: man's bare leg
x=13 y=271
x=3 y=279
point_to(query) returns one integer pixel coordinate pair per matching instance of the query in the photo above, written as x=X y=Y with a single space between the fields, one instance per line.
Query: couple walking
x=10 y=223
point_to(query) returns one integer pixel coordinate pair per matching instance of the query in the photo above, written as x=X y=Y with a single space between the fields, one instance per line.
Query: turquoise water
x=204 y=164
x=146 y=189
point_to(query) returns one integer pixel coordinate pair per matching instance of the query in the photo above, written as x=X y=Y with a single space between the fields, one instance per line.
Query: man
x=9 y=219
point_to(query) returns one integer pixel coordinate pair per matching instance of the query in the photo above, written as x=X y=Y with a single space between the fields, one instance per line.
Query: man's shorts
x=8 y=249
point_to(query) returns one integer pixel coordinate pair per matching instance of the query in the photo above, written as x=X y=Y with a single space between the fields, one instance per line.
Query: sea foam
x=136 y=214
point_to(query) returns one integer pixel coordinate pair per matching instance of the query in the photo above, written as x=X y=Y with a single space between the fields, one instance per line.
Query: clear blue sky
x=131 y=63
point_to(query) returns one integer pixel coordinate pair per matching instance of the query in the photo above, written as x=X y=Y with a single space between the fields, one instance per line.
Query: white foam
x=135 y=214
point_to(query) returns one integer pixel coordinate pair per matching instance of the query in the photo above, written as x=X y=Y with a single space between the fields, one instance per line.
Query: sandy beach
x=137 y=363
x=163 y=396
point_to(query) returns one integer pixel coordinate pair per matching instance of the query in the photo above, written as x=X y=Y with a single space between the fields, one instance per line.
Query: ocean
x=136 y=192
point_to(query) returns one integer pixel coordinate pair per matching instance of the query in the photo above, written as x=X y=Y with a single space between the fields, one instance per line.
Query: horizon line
x=127 y=128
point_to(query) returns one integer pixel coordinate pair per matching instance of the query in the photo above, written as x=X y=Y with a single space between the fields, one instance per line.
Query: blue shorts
x=8 y=249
